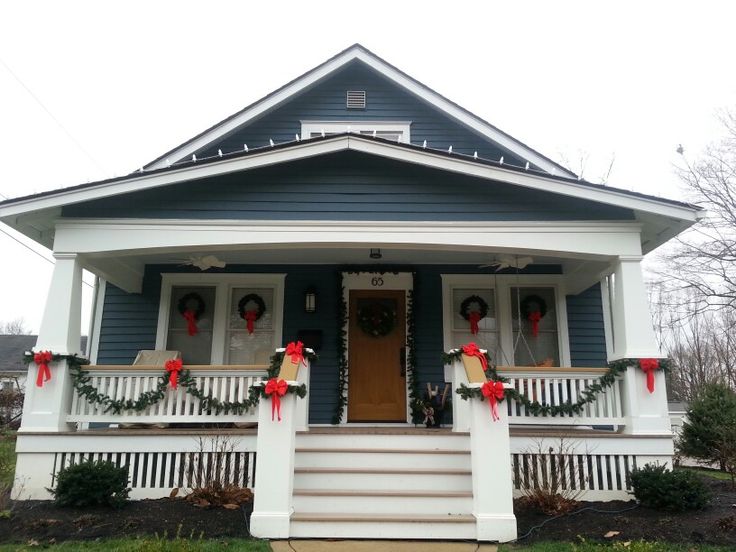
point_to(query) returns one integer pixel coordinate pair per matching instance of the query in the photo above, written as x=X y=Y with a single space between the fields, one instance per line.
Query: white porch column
x=275 y=479
x=633 y=337
x=302 y=405
x=45 y=408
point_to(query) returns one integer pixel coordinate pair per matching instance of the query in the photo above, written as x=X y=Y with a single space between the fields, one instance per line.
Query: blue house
x=381 y=224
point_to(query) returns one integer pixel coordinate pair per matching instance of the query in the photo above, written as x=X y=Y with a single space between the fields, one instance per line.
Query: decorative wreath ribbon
x=250 y=320
x=649 y=366
x=295 y=351
x=534 y=317
x=494 y=392
x=471 y=349
x=474 y=318
x=42 y=359
x=191 y=317
x=173 y=367
x=276 y=388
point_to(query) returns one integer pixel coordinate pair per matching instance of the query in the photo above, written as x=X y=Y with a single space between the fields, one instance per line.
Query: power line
x=61 y=126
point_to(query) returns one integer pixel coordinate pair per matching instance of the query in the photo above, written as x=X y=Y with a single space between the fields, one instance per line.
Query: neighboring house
x=678 y=416
x=359 y=211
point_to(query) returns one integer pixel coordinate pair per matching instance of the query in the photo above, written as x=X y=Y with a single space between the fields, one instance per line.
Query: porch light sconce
x=376 y=254
x=310 y=300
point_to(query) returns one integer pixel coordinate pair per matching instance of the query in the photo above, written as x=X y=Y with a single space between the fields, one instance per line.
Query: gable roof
x=331 y=66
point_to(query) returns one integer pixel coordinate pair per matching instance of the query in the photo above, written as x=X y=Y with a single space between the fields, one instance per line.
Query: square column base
x=499 y=528
x=270 y=525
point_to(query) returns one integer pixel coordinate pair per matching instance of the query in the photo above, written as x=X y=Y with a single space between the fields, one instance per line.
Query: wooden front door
x=376 y=358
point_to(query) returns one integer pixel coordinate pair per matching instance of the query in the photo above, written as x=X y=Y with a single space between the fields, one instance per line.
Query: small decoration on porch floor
x=42 y=359
x=474 y=309
x=251 y=307
x=533 y=308
x=275 y=389
x=191 y=306
x=435 y=404
x=376 y=319
x=649 y=366
x=173 y=367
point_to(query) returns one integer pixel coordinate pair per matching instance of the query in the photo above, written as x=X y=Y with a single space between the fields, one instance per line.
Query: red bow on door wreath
x=474 y=318
x=191 y=319
x=471 y=349
x=649 y=366
x=276 y=388
x=534 y=318
x=173 y=367
x=494 y=392
x=42 y=359
x=294 y=350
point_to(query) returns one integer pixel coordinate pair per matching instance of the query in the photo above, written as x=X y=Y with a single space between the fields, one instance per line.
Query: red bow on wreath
x=276 y=388
x=191 y=319
x=42 y=359
x=534 y=317
x=471 y=349
x=649 y=365
x=173 y=367
x=250 y=319
x=494 y=392
x=294 y=350
x=474 y=318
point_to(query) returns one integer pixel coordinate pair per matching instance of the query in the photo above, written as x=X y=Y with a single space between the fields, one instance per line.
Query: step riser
x=368 y=530
x=382 y=504
x=408 y=442
x=381 y=460
x=383 y=482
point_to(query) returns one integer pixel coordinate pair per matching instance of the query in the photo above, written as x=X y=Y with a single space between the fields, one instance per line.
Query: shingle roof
x=12 y=348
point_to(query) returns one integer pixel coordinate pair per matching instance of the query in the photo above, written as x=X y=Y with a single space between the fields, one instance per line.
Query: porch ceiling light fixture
x=310 y=300
x=376 y=253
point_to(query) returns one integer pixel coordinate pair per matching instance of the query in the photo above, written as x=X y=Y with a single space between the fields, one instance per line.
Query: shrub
x=91 y=483
x=674 y=491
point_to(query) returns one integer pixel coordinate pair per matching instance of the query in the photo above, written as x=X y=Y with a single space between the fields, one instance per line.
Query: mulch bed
x=716 y=524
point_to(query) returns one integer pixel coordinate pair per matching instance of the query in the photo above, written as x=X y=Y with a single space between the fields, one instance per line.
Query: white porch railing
x=226 y=383
x=555 y=386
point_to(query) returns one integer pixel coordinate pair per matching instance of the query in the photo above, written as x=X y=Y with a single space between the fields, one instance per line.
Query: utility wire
x=48 y=112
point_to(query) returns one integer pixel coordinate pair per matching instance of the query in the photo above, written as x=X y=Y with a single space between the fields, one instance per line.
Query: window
x=389 y=130
x=222 y=335
x=541 y=349
x=487 y=336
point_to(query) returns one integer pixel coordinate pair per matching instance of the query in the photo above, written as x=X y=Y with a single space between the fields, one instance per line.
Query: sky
x=90 y=90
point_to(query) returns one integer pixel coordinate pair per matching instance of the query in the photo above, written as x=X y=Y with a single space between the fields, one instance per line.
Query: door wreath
x=533 y=309
x=250 y=308
x=376 y=319
x=474 y=309
x=191 y=306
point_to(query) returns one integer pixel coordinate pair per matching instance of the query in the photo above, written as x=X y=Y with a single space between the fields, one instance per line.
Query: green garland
x=341 y=346
x=588 y=395
x=278 y=358
x=416 y=404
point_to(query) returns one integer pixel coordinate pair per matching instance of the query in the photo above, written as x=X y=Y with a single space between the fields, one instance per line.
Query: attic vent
x=356 y=99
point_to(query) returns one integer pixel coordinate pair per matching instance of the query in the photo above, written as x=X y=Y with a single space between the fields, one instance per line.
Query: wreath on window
x=474 y=309
x=250 y=308
x=376 y=319
x=533 y=309
x=191 y=306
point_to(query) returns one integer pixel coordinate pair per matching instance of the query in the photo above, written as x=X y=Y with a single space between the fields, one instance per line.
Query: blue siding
x=347 y=186
x=585 y=326
x=385 y=101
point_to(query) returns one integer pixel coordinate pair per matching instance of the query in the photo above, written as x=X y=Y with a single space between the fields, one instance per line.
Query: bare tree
x=14 y=327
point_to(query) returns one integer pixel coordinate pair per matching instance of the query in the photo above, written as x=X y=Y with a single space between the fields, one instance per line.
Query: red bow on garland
x=250 y=319
x=191 y=319
x=649 y=365
x=276 y=388
x=474 y=318
x=294 y=350
x=471 y=349
x=494 y=392
x=173 y=367
x=534 y=317
x=42 y=359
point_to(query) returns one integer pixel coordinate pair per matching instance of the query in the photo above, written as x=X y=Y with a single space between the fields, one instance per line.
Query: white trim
x=501 y=285
x=357 y=52
x=94 y=334
x=402 y=128
x=607 y=315
x=223 y=284
x=362 y=280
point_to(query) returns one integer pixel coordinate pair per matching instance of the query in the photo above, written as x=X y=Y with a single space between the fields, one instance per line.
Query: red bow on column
x=474 y=318
x=471 y=349
x=173 y=367
x=250 y=319
x=649 y=365
x=42 y=359
x=494 y=392
x=534 y=318
x=294 y=350
x=191 y=319
x=276 y=388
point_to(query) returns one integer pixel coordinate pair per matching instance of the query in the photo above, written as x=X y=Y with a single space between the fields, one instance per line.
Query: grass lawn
x=635 y=546
x=715 y=474
x=149 y=545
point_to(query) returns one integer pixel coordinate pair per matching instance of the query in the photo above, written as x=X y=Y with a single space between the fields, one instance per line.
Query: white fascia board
x=391 y=73
x=361 y=144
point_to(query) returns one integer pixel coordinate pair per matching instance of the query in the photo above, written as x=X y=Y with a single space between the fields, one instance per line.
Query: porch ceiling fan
x=204 y=262
x=508 y=261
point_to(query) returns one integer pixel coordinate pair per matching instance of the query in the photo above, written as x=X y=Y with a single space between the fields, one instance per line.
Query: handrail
x=550 y=370
x=194 y=367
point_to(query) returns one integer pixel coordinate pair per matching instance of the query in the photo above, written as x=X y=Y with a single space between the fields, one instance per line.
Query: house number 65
x=377 y=282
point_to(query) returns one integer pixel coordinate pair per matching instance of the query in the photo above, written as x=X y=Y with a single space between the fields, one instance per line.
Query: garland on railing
x=587 y=396
x=278 y=358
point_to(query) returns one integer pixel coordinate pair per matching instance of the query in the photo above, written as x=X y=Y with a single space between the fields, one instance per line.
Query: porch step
x=382 y=458
x=387 y=526
x=382 y=479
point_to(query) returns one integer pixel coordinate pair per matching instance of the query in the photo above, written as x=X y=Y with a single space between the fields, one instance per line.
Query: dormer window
x=397 y=131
